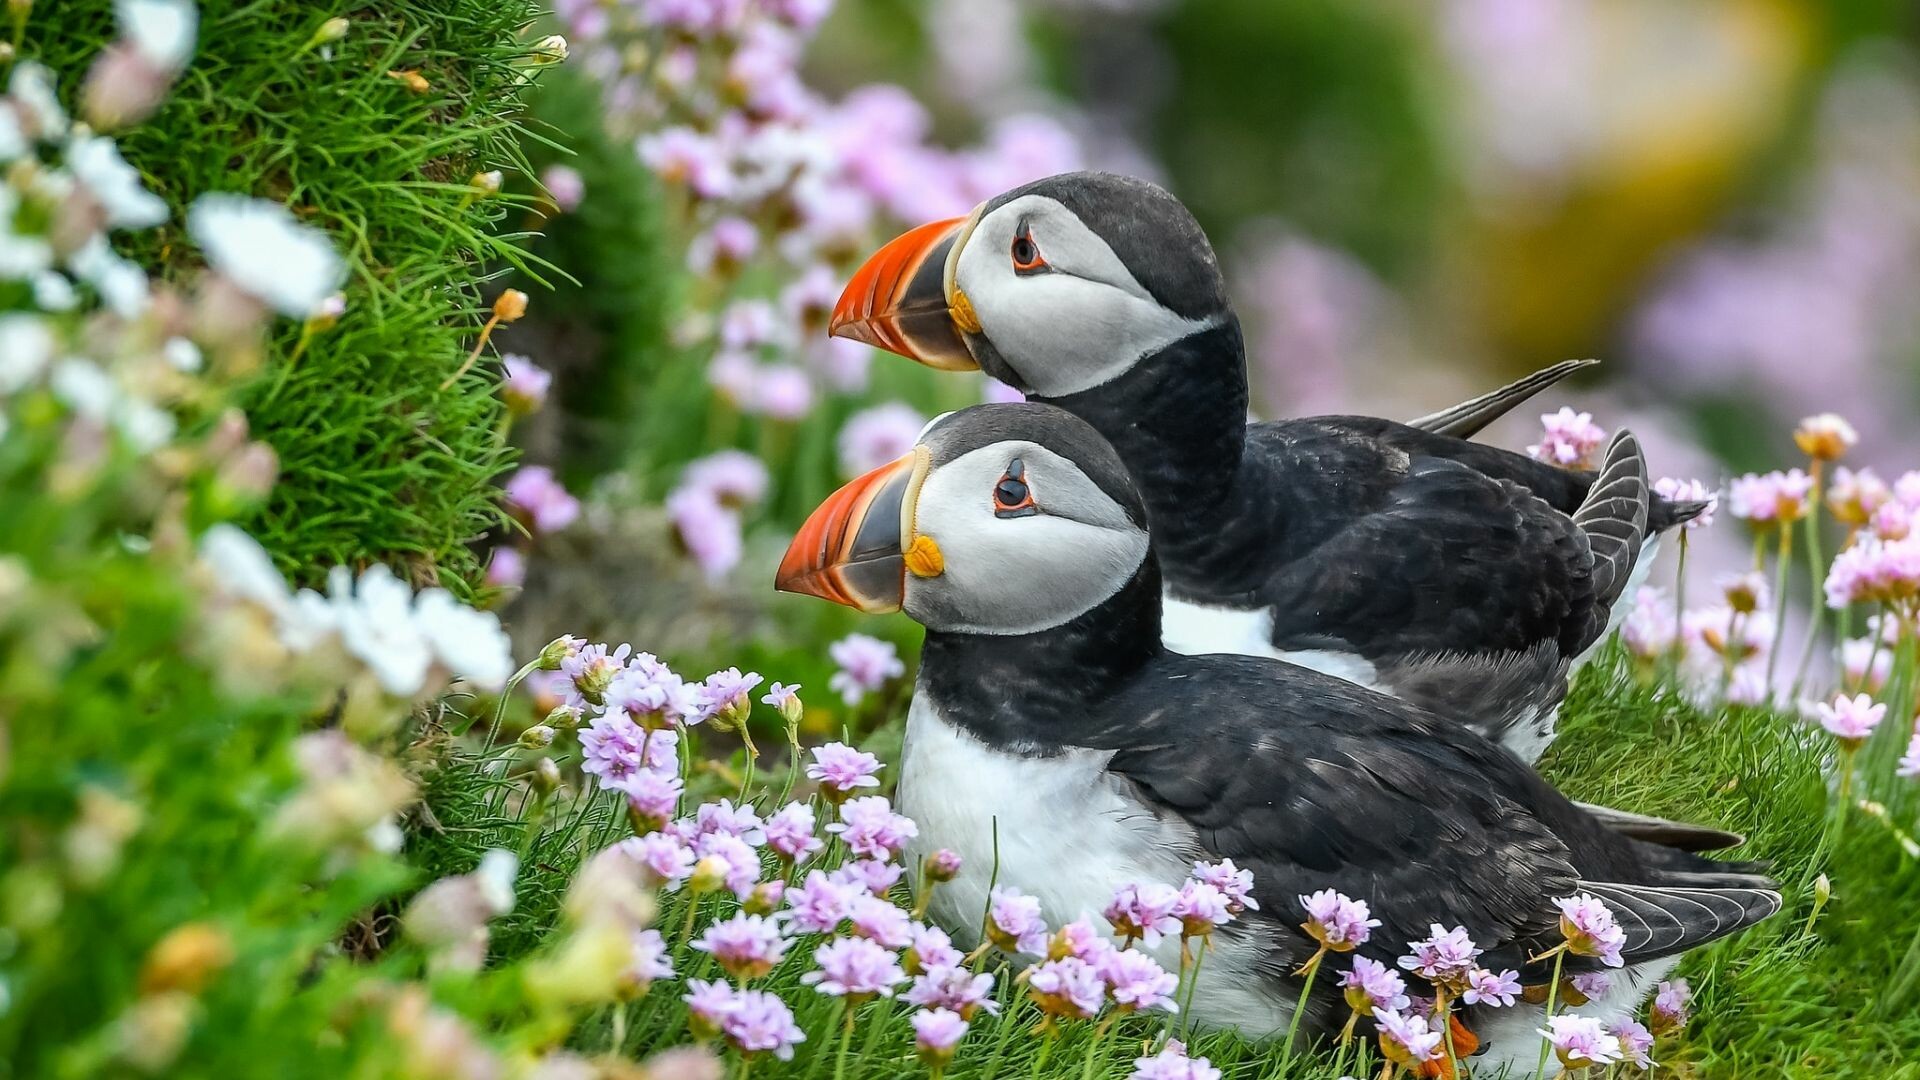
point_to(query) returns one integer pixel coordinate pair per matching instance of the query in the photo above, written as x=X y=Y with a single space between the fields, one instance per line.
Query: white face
x=1055 y=301
x=1016 y=565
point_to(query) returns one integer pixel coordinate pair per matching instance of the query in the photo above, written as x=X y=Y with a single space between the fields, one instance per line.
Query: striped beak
x=857 y=548
x=898 y=299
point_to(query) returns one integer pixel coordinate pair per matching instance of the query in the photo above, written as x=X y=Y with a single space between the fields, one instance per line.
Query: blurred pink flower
x=866 y=663
x=709 y=531
x=507 y=569
x=564 y=185
x=875 y=436
x=540 y=500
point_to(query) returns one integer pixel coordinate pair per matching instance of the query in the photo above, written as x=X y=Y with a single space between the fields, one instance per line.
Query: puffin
x=1060 y=747
x=1354 y=545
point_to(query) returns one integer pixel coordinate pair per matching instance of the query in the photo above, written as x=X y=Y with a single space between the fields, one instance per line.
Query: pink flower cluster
x=866 y=664
x=705 y=508
x=1763 y=500
x=1589 y=927
x=1568 y=439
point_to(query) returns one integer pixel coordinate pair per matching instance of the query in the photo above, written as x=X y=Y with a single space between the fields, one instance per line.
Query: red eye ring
x=1026 y=254
x=1011 y=496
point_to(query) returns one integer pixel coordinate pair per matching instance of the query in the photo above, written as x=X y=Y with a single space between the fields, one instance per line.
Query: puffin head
x=1003 y=519
x=1054 y=288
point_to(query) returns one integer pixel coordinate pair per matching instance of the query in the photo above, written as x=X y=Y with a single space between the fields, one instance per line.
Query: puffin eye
x=1026 y=254
x=1011 y=496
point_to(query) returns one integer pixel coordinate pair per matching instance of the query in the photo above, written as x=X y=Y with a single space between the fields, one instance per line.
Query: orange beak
x=897 y=300
x=853 y=549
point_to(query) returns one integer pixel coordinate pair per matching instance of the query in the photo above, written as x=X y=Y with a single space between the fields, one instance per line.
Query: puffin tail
x=1613 y=518
x=1666 y=918
x=1467 y=419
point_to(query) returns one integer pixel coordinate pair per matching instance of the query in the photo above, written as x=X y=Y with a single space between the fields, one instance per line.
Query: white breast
x=1069 y=834
x=1193 y=629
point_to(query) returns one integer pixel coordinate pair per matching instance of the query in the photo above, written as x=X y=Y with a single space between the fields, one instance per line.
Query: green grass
x=378 y=461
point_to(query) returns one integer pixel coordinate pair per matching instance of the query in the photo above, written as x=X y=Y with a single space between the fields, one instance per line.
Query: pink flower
x=747 y=946
x=681 y=155
x=854 y=968
x=1234 y=883
x=1079 y=939
x=761 y=1023
x=665 y=859
x=1636 y=1042
x=1068 y=987
x=783 y=697
x=524 y=384
x=1406 y=1037
x=880 y=921
x=1144 y=911
x=1592 y=984
x=950 y=986
x=1866 y=663
x=649 y=960
x=749 y=324
x=1581 y=1041
x=725 y=818
x=1569 y=439
x=1014 y=923
x=1825 y=437
x=1172 y=1063
x=1494 y=991
x=652 y=797
x=1764 y=499
x=730 y=477
x=1909 y=765
x=1854 y=495
x=724 y=694
x=818 y=905
x=871 y=875
x=869 y=827
x=1200 y=908
x=932 y=948
x=709 y=1004
x=564 y=185
x=1337 y=921
x=507 y=569
x=539 y=499
x=1372 y=985
x=1588 y=925
x=866 y=663
x=1445 y=956
x=1851 y=719
x=872 y=437
x=735 y=861
x=790 y=832
x=1678 y=490
x=1670 y=1003
x=1135 y=981
x=840 y=770
x=708 y=530
x=942 y=865
x=1649 y=628
x=937 y=1033
x=728 y=243
x=782 y=392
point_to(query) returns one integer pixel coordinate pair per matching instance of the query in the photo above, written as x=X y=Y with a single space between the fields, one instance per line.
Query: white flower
x=184 y=355
x=376 y=625
x=242 y=569
x=84 y=387
x=261 y=248
x=144 y=425
x=32 y=88
x=13 y=141
x=26 y=345
x=122 y=286
x=21 y=256
x=161 y=31
x=308 y=621
x=53 y=292
x=96 y=161
x=495 y=875
x=468 y=642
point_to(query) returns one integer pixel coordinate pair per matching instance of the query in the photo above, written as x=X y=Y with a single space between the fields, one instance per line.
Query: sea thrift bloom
x=649 y=961
x=1636 y=1042
x=1649 y=629
x=880 y=921
x=730 y=242
x=871 y=875
x=1569 y=439
x=840 y=770
x=950 y=986
x=1444 y=957
x=1675 y=489
x=1234 y=883
x=1068 y=988
x=854 y=968
x=1172 y=1063
x=732 y=477
x=818 y=905
x=942 y=865
x=937 y=1034
x=733 y=859
x=760 y=1022
x=1144 y=911
x=1851 y=719
x=1892 y=521
x=723 y=698
x=1825 y=437
x=869 y=827
x=1200 y=908
x=1775 y=498
x=665 y=859
x=875 y=436
x=1406 y=1039
x=564 y=185
x=1745 y=593
x=533 y=492
x=652 y=797
x=507 y=569
x=1854 y=496
x=1337 y=921
x=1135 y=981
x=708 y=530
x=1078 y=938
x=1581 y=1041
x=524 y=384
x=1909 y=766
x=1588 y=925
x=931 y=948
x=1670 y=1006
x=724 y=817
x=782 y=392
x=1867 y=664
x=1372 y=985
x=747 y=946
x=1014 y=923
x=708 y=1006
x=259 y=247
x=790 y=832
x=1591 y=985
x=1492 y=990
x=866 y=663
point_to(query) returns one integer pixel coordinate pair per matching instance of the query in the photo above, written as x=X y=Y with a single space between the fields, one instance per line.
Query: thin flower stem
x=1553 y=989
x=1007 y=1025
x=1678 y=649
x=506 y=695
x=485 y=333
x=1093 y=1047
x=846 y=1040
x=619 y=1029
x=1300 y=1004
x=1816 y=575
x=1186 y=1006
x=1441 y=1009
x=1906 y=976
x=813 y=1066
x=1779 y=599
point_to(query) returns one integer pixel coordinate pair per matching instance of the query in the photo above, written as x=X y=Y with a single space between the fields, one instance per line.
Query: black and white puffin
x=1053 y=736
x=1350 y=544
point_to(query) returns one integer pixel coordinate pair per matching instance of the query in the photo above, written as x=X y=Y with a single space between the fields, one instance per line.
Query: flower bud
x=414 y=81
x=942 y=865
x=1826 y=437
x=537 y=737
x=546 y=776
x=708 y=875
x=510 y=306
x=327 y=315
x=486 y=183
x=551 y=49
x=765 y=898
x=186 y=959
x=331 y=31
x=557 y=652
